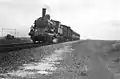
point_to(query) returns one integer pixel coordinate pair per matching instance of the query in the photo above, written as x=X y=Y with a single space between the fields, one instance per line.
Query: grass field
x=16 y=40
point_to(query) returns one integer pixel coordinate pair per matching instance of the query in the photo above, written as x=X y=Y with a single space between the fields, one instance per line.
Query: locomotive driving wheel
x=55 y=40
x=34 y=41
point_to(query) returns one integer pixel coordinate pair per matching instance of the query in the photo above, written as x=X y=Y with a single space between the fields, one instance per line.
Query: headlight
x=36 y=30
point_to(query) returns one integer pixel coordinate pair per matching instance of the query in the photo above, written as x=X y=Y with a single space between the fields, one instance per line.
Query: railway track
x=13 y=47
x=19 y=46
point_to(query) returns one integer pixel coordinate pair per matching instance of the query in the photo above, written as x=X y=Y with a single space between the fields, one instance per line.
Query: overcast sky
x=94 y=19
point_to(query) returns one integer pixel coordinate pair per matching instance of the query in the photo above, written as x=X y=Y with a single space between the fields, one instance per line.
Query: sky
x=92 y=19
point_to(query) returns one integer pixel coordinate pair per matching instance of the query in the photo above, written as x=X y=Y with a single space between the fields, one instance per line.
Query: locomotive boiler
x=46 y=30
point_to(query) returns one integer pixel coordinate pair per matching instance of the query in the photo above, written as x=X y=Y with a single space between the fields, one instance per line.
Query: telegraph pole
x=9 y=30
x=15 y=33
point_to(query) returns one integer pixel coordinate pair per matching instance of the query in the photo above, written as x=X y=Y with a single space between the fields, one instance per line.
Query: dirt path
x=97 y=68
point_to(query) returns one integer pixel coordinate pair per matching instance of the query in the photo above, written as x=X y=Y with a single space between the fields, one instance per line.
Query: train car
x=67 y=33
x=75 y=36
x=46 y=30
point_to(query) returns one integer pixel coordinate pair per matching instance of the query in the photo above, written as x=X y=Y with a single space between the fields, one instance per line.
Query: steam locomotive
x=46 y=30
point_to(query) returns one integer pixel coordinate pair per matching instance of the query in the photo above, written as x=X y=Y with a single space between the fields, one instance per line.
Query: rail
x=19 y=46
x=12 y=47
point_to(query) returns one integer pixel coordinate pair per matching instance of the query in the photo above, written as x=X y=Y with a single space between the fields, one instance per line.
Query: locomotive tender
x=46 y=30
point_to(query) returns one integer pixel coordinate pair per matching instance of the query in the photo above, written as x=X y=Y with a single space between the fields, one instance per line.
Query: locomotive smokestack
x=43 y=12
